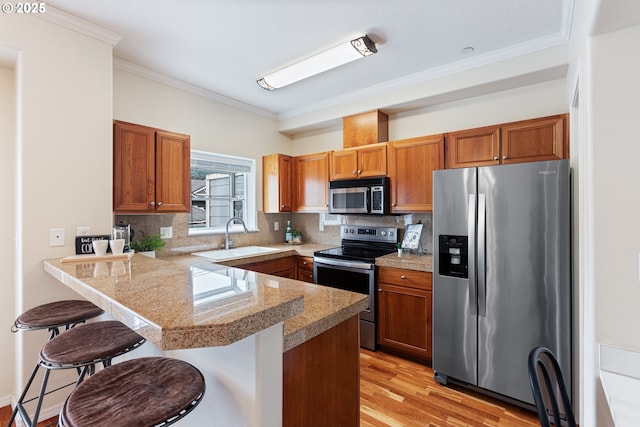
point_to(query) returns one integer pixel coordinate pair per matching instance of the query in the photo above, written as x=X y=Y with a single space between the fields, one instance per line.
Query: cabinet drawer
x=402 y=277
x=284 y=267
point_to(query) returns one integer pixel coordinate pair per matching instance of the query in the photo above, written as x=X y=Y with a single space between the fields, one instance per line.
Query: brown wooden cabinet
x=532 y=140
x=411 y=163
x=277 y=181
x=404 y=311
x=311 y=182
x=361 y=162
x=365 y=128
x=282 y=267
x=151 y=170
x=304 y=268
x=321 y=379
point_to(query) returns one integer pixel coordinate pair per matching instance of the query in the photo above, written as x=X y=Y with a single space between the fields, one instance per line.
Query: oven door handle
x=342 y=263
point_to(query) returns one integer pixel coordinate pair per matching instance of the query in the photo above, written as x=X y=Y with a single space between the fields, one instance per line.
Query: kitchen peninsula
x=236 y=327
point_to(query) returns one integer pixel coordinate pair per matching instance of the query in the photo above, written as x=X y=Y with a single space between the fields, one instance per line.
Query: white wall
x=615 y=92
x=7 y=225
x=528 y=102
x=63 y=135
x=212 y=126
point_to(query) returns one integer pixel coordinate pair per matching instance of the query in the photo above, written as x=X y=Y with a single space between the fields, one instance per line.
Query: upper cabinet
x=533 y=140
x=311 y=178
x=364 y=129
x=277 y=183
x=361 y=162
x=411 y=163
x=151 y=170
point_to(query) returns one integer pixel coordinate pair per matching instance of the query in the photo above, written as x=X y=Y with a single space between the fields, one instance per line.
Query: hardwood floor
x=5 y=414
x=396 y=392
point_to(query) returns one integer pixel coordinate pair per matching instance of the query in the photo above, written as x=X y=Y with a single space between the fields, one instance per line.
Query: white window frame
x=250 y=208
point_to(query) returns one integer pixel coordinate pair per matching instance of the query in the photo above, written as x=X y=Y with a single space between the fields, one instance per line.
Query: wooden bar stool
x=149 y=391
x=81 y=347
x=54 y=315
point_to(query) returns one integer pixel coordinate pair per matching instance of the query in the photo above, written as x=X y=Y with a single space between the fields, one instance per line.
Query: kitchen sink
x=242 y=251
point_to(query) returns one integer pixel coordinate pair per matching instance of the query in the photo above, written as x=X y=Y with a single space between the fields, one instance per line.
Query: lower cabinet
x=404 y=312
x=304 y=269
x=282 y=267
x=321 y=379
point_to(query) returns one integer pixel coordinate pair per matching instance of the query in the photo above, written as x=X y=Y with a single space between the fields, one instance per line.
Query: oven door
x=352 y=276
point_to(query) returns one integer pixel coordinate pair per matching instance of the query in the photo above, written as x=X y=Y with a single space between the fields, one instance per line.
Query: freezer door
x=527 y=298
x=454 y=298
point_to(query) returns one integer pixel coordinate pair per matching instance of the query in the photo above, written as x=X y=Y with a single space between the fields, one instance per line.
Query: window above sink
x=222 y=187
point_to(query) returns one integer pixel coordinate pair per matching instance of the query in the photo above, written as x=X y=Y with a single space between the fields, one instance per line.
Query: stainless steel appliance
x=502 y=279
x=360 y=196
x=352 y=267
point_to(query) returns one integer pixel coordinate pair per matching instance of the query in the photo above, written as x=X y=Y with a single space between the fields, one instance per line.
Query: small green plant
x=148 y=242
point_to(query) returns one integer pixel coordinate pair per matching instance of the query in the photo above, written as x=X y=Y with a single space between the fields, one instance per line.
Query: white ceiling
x=224 y=46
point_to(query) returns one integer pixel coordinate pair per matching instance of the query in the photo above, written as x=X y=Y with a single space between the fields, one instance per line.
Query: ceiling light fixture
x=323 y=61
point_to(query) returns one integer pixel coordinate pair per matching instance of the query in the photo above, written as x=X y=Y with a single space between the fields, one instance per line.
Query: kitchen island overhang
x=239 y=343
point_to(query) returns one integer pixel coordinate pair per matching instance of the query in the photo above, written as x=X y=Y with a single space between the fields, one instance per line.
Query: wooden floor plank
x=395 y=392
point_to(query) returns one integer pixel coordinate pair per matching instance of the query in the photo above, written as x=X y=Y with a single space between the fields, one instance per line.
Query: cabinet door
x=312 y=182
x=133 y=168
x=404 y=320
x=473 y=147
x=304 y=269
x=534 y=140
x=173 y=172
x=372 y=160
x=411 y=163
x=344 y=164
x=277 y=173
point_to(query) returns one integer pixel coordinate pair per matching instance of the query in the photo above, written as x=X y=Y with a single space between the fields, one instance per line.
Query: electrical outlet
x=276 y=226
x=56 y=237
x=83 y=231
x=166 y=232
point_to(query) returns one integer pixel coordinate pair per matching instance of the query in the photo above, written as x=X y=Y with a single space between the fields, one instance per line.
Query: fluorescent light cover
x=331 y=58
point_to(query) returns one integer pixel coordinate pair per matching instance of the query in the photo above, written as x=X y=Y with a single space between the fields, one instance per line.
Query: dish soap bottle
x=288 y=237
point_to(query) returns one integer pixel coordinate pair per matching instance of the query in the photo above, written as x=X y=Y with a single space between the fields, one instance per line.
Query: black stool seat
x=142 y=392
x=89 y=344
x=81 y=347
x=56 y=314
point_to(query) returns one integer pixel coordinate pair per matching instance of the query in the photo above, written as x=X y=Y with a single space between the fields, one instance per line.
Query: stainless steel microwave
x=369 y=196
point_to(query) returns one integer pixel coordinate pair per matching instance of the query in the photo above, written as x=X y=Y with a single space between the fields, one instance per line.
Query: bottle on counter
x=288 y=237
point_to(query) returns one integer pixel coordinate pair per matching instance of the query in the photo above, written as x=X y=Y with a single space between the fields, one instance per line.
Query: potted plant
x=147 y=244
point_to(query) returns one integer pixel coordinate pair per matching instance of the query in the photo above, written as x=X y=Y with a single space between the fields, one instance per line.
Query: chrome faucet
x=226 y=231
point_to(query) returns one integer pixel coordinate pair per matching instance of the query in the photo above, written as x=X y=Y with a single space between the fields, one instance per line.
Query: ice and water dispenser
x=453 y=255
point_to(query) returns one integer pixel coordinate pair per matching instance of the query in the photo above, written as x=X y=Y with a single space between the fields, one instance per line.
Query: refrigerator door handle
x=482 y=234
x=471 y=229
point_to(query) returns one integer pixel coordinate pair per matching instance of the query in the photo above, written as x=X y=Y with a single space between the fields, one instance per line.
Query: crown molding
x=138 y=70
x=82 y=26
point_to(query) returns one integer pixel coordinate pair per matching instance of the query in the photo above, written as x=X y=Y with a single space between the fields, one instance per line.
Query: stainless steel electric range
x=352 y=267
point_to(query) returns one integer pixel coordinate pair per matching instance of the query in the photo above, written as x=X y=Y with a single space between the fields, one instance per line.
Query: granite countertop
x=175 y=302
x=407 y=261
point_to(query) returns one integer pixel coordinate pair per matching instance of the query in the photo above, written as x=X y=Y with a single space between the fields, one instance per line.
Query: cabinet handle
x=159 y=203
x=359 y=171
x=496 y=158
x=403 y=277
x=393 y=205
x=379 y=290
x=304 y=262
x=152 y=203
x=504 y=157
x=354 y=172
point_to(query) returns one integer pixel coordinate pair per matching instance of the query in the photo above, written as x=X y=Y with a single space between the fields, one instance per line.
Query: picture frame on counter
x=411 y=240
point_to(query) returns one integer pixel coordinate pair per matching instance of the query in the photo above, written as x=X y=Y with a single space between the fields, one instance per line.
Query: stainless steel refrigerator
x=502 y=273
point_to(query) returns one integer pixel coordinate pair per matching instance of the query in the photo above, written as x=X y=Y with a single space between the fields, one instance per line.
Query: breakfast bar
x=235 y=325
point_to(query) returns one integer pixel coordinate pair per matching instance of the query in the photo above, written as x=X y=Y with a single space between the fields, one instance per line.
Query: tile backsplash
x=307 y=223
